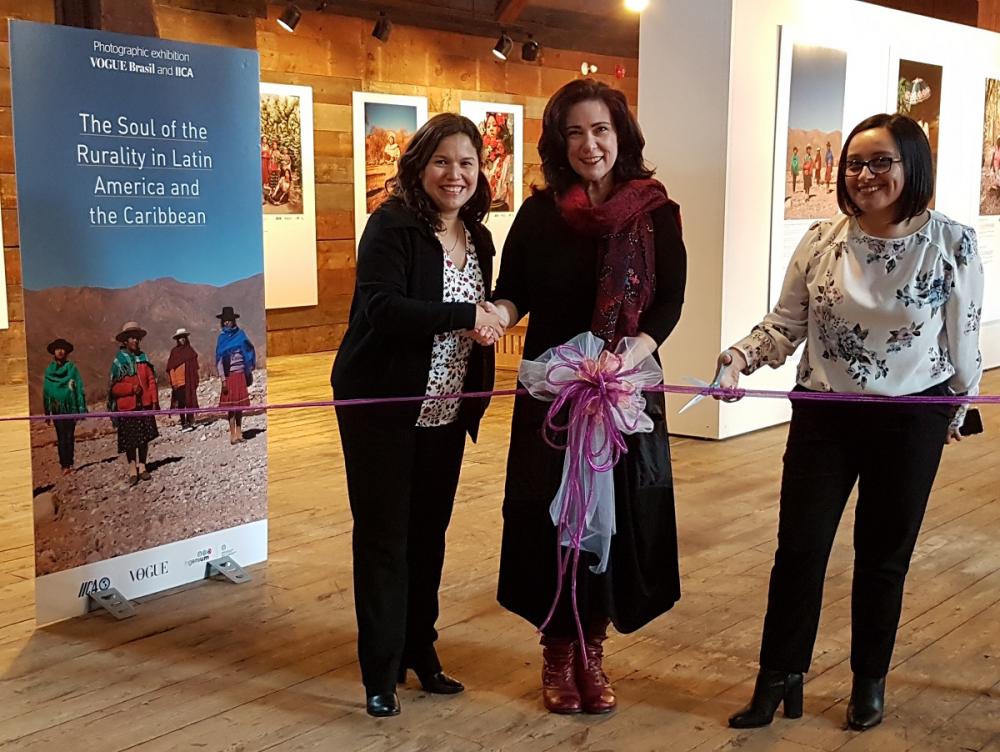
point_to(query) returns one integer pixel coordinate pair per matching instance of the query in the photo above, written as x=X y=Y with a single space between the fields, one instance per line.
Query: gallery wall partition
x=769 y=89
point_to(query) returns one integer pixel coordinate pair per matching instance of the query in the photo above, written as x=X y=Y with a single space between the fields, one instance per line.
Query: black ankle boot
x=772 y=689
x=867 y=703
x=382 y=705
x=435 y=682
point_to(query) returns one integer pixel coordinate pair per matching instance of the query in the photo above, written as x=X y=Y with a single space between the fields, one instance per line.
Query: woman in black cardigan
x=424 y=263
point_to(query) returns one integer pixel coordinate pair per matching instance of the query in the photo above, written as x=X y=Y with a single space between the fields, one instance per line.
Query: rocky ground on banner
x=200 y=483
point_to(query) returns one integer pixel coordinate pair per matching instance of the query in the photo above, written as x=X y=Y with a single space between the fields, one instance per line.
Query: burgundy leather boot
x=596 y=693
x=559 y=692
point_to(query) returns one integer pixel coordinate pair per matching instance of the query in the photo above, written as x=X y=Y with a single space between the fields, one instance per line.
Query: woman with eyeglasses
x=887 y=298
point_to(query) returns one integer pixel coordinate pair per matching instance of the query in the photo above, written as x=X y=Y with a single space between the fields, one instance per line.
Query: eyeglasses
x=876 y=166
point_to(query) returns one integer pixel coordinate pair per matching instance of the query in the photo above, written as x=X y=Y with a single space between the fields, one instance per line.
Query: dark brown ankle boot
x=596 y=693
x=559 y=691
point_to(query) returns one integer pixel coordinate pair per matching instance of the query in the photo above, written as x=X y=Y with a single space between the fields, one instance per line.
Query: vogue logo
x=92 y=586
x=148 y=572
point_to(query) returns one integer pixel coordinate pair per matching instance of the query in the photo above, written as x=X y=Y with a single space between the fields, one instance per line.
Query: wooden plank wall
x=335 y=55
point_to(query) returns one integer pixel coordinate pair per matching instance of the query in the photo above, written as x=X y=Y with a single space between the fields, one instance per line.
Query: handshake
x=491 y=323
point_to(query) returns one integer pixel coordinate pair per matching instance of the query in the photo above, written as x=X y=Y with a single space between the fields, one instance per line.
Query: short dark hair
x=917 y=164
x=559 y=174
x=406 y=185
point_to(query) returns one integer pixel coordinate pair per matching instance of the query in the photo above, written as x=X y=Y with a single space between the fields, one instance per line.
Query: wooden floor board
x=271 y=666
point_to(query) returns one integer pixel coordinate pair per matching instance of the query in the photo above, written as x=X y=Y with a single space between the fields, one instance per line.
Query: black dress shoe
x=382 y=705
x=867 y=703
x=437 y=682
x=771 y=690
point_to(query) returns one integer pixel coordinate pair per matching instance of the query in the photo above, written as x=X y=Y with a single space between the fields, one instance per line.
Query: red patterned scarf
x=626 y=281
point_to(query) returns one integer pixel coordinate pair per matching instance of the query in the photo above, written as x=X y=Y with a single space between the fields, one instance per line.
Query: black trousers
x=65 y=441
x=401 y=481
x=892 y=452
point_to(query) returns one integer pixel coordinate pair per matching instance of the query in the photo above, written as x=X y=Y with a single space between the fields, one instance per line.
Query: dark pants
x=401 y=481
x=179 y=401
x=893 y=452
x=65 y=441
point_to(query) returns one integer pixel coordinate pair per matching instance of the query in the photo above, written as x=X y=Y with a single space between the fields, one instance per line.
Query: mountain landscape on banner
x=90 y=317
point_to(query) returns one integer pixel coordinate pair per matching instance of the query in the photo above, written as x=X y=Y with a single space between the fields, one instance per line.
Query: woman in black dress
x=599 y=249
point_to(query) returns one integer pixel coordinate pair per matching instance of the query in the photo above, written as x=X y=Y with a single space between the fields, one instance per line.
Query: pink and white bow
x=603 y=391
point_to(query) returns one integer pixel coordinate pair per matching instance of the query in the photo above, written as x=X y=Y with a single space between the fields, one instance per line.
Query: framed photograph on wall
x=288 y=195
x=916 y=92
x=502 y=127
x=383 y=126
x=988 y=195
x=809 y=132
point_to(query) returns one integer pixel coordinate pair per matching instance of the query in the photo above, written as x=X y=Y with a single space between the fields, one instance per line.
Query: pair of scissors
x=716 y=384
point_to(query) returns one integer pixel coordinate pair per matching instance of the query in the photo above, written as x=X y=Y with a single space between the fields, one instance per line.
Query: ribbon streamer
x=602 y=392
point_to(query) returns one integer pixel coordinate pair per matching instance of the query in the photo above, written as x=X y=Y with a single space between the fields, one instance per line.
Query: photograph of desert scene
x=815 y=132
x=198 y=477
x=388 y=129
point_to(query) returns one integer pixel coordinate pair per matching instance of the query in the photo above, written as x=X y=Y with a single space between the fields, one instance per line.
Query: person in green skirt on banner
x=62 y=394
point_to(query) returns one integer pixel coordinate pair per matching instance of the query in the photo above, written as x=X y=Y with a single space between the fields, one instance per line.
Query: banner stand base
x=228 y=568
x=112 y=601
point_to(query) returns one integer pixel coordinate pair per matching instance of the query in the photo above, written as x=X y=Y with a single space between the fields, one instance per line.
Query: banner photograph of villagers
x=124 y=316
x=383 y=126
x=503 y=150
x=815 y=135
x=919 y=96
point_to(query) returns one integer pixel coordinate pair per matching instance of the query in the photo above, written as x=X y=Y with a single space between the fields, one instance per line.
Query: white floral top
x=450 y=352
x=887 y=317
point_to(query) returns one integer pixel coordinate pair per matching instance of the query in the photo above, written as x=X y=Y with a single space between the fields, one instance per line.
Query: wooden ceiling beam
x=508 y=11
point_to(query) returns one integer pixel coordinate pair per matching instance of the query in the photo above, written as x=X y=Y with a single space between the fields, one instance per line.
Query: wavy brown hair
x=559 y=174
x=407 y=187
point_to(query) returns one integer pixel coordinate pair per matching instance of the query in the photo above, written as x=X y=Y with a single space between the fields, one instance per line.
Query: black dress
x=550 y=272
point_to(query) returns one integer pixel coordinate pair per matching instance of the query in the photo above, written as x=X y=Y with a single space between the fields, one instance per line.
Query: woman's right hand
x=729 y=366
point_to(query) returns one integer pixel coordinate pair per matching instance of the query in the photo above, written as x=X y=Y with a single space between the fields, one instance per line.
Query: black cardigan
x=397 y=310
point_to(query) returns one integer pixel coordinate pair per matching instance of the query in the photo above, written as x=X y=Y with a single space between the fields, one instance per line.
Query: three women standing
x=598 y=250
x=424 y=261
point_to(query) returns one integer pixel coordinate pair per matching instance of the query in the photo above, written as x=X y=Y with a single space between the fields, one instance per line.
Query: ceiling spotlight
x=587 y=68
x=636 y=6
x=530 y=50
x=503 y=46
x=290 y=17
x=383 y=28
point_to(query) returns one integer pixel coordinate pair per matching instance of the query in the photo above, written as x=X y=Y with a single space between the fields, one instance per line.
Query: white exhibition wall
x=708 y=89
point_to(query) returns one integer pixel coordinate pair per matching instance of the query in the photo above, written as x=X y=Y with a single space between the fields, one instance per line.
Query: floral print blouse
x=451 y=350
x=878 y=316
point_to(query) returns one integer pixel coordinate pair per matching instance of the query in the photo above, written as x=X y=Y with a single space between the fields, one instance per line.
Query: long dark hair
x=559 y=174
x=915 y=154
x=406 y=186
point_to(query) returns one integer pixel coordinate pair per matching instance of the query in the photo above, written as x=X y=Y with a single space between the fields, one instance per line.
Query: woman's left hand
x=954 y=435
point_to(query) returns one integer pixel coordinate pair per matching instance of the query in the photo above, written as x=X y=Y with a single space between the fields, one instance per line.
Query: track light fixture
x=290 y=17
x=587 y=68
x=383 y=28
x=530 y=50
x=503 y=46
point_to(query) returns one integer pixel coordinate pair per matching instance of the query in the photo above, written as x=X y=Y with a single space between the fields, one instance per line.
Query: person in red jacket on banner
x=133 y=387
